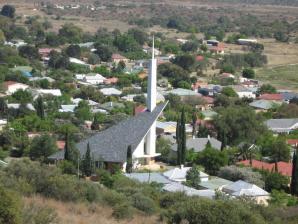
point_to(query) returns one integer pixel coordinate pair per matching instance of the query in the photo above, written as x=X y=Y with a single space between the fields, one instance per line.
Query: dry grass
x=80 y=213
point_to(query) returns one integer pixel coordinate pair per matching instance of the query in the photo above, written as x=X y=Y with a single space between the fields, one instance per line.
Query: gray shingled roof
x=282 y=125
x=149 y=177
x=199 y=144
x=241 y=188
x=264 y=104
x=111 y=144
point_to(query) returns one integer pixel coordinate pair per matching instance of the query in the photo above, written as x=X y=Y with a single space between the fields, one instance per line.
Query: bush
x=9 y=207
x=123 y=211
x=144 y=203
x=113 y=198
x=234 y=173
x=39 y=214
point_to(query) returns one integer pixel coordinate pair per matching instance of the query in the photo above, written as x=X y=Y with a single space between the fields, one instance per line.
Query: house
x=68 y=108
x=78 y=62
x=15 y=43
x=130 y=97
x=111 y=81
x=199 y=144
x=116 y=58
x=247 y=41
x=206 y=104
x=285 y=125
x=243 y=91
x=149 y=177
x=17 y=106
x=264 y=105
x=287 y=96
x=271 y=96
x=148 y=50
x=108 y=106
x=215 y=183
x=11 y=87
x=208 y=115
x=241 y=188
x=166 y=127
x=3 y=123
x=91 y=103
x=111 y=92
x=178 y=187
x=34 y=79
x=45 y=52
x=25 y=70
x=182 y=92
x=219 y=49
x=292 y=142
x=94 y=79
x=179 y=174
x=60 y=144
x=283 y=168
x=53 y=92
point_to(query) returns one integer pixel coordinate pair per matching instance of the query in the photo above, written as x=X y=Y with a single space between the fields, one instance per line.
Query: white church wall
x=139 y=151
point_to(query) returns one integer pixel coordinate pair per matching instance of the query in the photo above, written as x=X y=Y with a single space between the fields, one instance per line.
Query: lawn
x=283 y=77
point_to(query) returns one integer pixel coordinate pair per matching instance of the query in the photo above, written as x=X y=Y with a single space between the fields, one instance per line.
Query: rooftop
x=111 y=144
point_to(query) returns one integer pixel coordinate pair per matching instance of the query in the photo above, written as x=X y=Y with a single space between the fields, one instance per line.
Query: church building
x=139 y=132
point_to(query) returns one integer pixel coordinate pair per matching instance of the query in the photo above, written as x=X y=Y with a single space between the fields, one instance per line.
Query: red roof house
x=292 y=142
x=282 y=167
x=271 y=96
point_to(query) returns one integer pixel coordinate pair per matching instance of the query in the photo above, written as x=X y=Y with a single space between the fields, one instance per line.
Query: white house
x=244 y=92
x=11 y=87
x=111 y=92
x=94 y=79
x=53 y=92
x=179 y=174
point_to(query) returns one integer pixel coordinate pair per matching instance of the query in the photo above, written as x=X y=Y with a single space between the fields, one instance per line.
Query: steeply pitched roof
x=111 y=144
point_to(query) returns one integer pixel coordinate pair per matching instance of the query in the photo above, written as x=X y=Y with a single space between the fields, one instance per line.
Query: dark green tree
x=104 y=52
x=193 y=177
x=248 y=73
x=178 y=141
x=294 y=180
x=73 y=50
x=10 y=207
x=29 y=52
x=42 y=147
x=129 y=164
x=183 y=137
x=194 y=123
x=40 y=107
x=87 y=162
x=8 y=11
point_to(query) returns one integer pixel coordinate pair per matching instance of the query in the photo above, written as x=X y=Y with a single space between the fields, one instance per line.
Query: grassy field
x=283 y=77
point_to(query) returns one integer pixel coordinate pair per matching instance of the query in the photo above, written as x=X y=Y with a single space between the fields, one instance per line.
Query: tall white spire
x=151 y=88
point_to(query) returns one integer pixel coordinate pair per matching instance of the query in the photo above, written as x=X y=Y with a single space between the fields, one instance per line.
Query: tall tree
x=193 y=177
x=294 y=180
x=129 y=160
x=87 y=162
x=178 y=140
x=183 y=137
x=194 y=124
x=67 y=153
x=40 y=107
x=8 y=11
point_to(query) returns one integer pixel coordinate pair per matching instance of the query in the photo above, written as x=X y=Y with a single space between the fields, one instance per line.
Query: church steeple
x=151 y=88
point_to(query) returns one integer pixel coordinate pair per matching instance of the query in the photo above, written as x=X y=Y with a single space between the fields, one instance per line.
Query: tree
x=194 y=123
x=212 y=160
x=267 y=88
x=280 y=150
x=182 y=137
x=248 y=73
x=83 y=111
x=8 y=11
x=42 y=147
x=178 y=141
x=139 y=35
x=74 y=51
x=29 y=52
x=294 y=180
x=185 y=61
x=40 y=107
x=275 y=181
x=190 y=46
x=231 y=121
x=129 y=164
x=229 y=92
x=71 y=33
x=87 y=162
x=126 y=43
x=58 y=60
x=193 y=177
x=22 y=96
x=103 y=52
x=10 y=207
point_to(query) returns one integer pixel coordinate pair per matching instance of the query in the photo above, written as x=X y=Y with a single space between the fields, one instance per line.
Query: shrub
x=39 y=214
x=144 y=203
x=123 y=211
x=9 y=207
x=113 y=198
